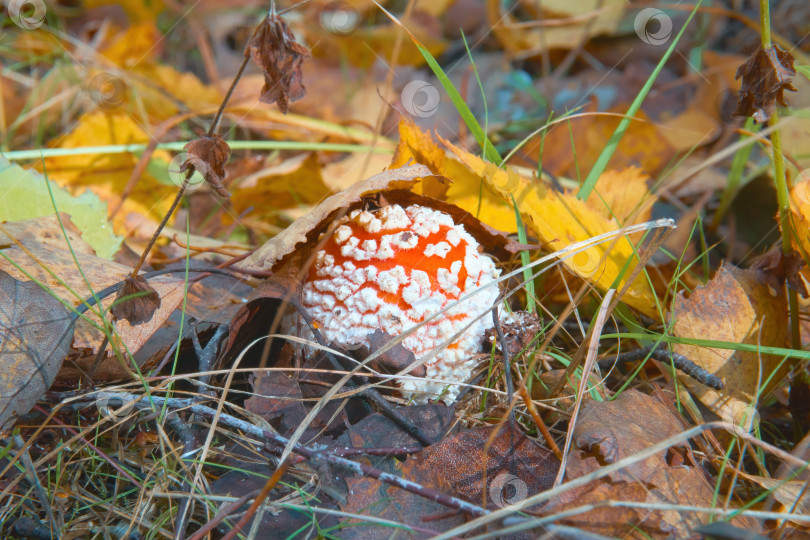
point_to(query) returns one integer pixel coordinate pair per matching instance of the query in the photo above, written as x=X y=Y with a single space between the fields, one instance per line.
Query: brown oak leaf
x=135 y=301
x=208 y=155
x=765 y=76
x=274 y=49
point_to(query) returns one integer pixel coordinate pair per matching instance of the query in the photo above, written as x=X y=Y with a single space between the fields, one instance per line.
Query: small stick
x=538 y=420
x=661 y=353
x=316 y=456
x=510 y=389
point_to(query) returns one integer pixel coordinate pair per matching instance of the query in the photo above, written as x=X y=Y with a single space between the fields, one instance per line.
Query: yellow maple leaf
x=561 y=219
x=108 y=174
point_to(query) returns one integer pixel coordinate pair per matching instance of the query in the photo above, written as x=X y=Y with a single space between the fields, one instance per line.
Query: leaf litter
x=190 y=338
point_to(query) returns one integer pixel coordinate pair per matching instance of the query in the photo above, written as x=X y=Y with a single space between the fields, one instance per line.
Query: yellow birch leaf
x=561 y=219
x=132 y=46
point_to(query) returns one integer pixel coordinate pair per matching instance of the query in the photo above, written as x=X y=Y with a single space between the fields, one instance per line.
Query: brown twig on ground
x=315 y=456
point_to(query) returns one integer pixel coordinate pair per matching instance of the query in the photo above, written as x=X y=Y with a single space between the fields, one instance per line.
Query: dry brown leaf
x=523 y=41
x=286 y=242
x=609 y=431
x=734 y=307
x=765 y=76
x=100 y=273
x=368 y=496
x=135 y=301
x=273 y=48
x=208 y=155
x=500 y=462
x=35 y=335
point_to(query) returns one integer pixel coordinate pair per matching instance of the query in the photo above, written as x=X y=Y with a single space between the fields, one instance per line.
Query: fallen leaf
x=777 y=269
x=273 y=48
x=108 y=174
x=523 y=41
x=610 y=431
x=370 y=497
x=53 y=265
x=466 y=190
x=35 y=335
x=499 y=462
x=277 y=398
x=24 y=195
x=734 y=307
x=766 y=75
x=571 y=148
x=560 y=219
x=800 y=218
x=298 y=233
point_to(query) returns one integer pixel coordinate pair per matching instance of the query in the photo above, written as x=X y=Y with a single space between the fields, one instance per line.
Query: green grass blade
x=475 y=128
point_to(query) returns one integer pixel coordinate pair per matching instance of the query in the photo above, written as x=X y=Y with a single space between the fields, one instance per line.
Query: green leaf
x=804 y=70
x=24 y=195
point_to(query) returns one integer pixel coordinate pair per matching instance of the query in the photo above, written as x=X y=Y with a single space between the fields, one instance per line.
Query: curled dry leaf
x=135 y=301
x=273 y=48
x=777 y=268
x=208 y=155
x=734 y=307
x=35 y=335
x=765 y=76
x=308 y=226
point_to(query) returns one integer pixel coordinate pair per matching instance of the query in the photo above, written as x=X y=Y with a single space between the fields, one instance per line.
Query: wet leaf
x=273 y=48
x=35 y=335
x=766 y=75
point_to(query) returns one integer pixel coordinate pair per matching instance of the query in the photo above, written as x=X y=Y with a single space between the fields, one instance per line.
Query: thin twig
x=315 y=456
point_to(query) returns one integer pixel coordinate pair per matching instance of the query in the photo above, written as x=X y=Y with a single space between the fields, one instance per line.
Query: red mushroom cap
x=393 y=269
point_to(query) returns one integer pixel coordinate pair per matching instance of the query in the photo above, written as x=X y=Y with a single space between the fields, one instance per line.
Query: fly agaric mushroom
x=394 y=269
